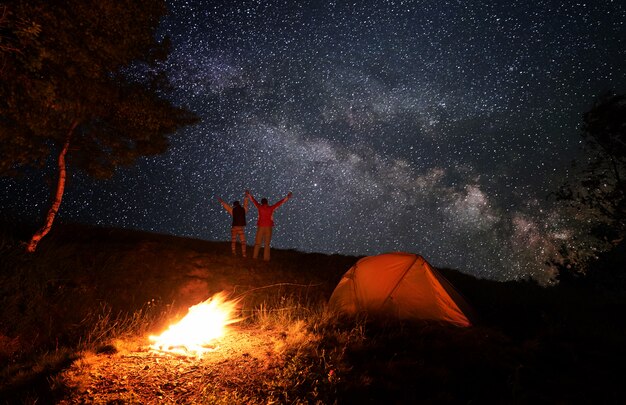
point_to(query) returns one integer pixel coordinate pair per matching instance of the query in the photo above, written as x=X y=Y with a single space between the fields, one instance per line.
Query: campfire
x=196 y=333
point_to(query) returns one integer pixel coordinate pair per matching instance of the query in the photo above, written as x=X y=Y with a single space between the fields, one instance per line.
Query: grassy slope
x=87 y=285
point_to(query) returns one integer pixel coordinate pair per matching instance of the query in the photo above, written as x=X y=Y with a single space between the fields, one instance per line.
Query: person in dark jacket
x=238 y=229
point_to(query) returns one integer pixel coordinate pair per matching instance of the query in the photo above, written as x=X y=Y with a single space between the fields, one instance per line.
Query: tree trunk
x=52 y=212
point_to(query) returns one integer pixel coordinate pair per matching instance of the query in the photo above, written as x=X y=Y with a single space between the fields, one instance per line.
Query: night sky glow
x=434 y=127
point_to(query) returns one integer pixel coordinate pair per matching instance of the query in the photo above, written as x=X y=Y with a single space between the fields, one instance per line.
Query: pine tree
x=65 y=88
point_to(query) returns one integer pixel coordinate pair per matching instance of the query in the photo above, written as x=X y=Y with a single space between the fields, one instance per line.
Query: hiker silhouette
x=265 y=224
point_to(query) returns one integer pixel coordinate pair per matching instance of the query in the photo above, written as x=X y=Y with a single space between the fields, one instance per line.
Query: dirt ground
x=234 y=371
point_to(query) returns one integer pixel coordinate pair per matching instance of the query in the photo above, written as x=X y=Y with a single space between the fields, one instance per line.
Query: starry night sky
x=435 y=127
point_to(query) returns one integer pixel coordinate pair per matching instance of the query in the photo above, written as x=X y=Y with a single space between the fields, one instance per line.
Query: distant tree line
x=596 y=195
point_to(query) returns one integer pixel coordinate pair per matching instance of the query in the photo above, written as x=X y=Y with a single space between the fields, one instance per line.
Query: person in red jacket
x=264 y=224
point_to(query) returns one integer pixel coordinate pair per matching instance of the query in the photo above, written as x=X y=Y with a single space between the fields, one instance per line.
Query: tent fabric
x=399 y=285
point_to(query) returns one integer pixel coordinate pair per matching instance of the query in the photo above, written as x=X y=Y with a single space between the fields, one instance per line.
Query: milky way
x=425 y=126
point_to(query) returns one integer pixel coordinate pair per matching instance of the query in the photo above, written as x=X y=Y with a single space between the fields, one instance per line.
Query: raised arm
x=255 y=202
x=246 y=200
x=225 y=205
x=281 y=202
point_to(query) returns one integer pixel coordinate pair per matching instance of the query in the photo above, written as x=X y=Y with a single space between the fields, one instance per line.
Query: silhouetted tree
x=65 y=90
x=598 y=194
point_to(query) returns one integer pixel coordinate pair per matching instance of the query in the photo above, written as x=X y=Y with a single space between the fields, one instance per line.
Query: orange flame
x=204 y=323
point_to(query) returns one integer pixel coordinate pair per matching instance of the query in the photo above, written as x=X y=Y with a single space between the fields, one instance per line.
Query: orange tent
x=400 y=285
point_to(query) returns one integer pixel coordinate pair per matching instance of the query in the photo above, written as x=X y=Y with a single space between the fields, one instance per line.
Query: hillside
x=75 y=317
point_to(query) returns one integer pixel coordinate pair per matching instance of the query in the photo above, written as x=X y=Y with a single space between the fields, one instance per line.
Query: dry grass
x=75 y=317
x=276 y=356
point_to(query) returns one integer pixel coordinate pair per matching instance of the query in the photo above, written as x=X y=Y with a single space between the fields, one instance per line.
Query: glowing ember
x=204 y=323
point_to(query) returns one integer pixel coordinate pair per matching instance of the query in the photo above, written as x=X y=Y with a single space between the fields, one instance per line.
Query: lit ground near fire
x=69 y=314
x=237 y=370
